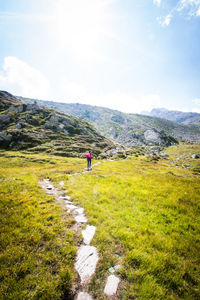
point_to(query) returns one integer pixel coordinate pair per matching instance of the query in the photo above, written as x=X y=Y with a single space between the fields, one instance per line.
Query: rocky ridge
x=186 y=118
x=25 y=126
x=130 y=130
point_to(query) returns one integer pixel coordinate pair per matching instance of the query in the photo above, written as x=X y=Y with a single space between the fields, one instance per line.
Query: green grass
x=147 y=218
x=149 y=214
x=37 y=244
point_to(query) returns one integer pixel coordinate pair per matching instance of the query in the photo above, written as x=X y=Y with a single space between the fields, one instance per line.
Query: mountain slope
x=128 y=129
x=186 y=118
x=28 y=126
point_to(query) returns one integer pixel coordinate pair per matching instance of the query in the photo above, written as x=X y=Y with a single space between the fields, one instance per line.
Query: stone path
x=87 y=256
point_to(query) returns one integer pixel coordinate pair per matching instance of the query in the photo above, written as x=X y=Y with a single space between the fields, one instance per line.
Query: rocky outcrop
x=128 y=129
x=186 y=118
x=29 y=126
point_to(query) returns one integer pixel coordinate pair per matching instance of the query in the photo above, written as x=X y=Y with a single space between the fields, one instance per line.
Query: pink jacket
x=88 y=155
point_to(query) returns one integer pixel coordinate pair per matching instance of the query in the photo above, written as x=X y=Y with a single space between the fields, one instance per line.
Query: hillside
x=127 y=129
x=186 y=118
x=33 y=128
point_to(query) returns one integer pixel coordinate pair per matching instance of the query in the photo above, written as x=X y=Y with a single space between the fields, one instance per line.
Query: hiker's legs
x=90 y=163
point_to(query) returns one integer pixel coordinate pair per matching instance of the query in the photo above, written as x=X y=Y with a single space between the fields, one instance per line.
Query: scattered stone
x=16 y=108
x=68 y=202
x=117 y=267
x=81 y=219
x=65 y=197
x=84 y=296
x=196 y=156
x=61 y=183
x=71 y=206
x=111 y=285
x=111 y=270
x=49 y=187
x=79 y=211
x=5 y=136
x=88 y=234
x=61 y=126
x=87 y=258
x=114 y=269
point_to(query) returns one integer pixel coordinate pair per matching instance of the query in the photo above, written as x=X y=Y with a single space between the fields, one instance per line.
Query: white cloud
x=157 y=2
x=126 y=102
x=165 y=21
x=187 y=8
x=73 y=92
x=21 y=79
x=191 y=7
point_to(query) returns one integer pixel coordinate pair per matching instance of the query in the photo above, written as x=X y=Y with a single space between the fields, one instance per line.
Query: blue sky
x=130 y=55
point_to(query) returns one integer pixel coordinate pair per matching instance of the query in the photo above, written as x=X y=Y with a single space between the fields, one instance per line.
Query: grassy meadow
x=147 y=215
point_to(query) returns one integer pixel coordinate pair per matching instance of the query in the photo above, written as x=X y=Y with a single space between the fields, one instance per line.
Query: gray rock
x=18 y=126
x=79 y=211
x=16 y=108
x=53 y=119
x=152 y=135
x=111 y=285
x=68 y=121
x=61 y=126
x=5 y=136
x=83 y=296
x=65 y=197
x=66 y=132
x=88 y=234
x=81 y=219
x=87 y=258
x=32 y=107
x=196 y=156
x=71 y=207
x=5 y=118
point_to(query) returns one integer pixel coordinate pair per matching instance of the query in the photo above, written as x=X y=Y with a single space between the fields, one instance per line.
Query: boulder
x=196 y=156
x=5 y=136
x=18 y=126
x=152 y=136
x=32 y=107
x=4 y=119
x=16 y=108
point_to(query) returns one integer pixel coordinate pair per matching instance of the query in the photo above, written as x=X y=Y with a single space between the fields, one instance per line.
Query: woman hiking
x=89 y=159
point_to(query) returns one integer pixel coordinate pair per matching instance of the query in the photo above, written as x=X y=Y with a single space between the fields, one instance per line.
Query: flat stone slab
x=65 y=197
x=79 y=211
x=115 y=268
x=88 y=234
x=111 y=285
x=84 y=296
x=68 y=202
x=71 y=206
x=50 y=187
x=87 y=258
x=81 y=219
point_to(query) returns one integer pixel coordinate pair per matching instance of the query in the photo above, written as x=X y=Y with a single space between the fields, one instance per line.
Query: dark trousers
x=88 y=163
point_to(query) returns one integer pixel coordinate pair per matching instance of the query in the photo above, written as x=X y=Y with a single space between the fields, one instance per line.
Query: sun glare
x=80 y=26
